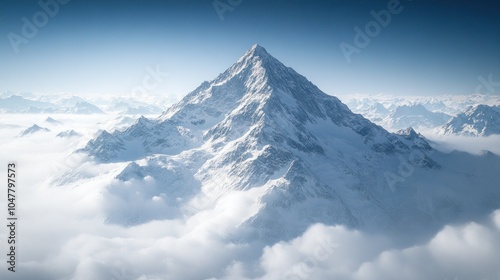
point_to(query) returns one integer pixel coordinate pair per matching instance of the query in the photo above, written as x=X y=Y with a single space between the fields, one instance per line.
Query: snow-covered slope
x=263 y=129
x=479 y=120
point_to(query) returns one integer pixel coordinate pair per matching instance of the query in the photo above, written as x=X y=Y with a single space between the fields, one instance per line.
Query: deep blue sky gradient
x=430 y=48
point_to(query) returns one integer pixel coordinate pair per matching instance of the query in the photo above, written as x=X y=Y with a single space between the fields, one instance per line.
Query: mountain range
x=28 y=103
x=444 y=115
x=415 y=116
x=73 y=105
x=479 y=120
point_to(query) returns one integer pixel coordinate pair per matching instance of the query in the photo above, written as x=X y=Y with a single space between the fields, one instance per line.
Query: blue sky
x=426 y=48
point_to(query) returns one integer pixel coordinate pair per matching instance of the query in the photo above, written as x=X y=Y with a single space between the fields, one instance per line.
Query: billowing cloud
x=467 y=251
x=65 y=232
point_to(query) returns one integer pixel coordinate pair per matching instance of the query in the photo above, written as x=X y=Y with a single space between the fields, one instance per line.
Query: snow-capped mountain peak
x=259 y=93
x=408 y=132
x=260 y=124
x=255 y=51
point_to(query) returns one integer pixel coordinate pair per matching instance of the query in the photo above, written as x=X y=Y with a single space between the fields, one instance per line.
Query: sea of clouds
x=65 y=233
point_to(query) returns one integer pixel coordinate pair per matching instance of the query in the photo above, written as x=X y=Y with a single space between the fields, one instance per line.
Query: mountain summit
x=258 y=94
x=261 y=127
x=256 y=50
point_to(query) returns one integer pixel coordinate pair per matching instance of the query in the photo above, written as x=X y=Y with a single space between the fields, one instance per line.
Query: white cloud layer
x=63 y=233
x=469 y=144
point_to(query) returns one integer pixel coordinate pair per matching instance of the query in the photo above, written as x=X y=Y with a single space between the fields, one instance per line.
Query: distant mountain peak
x=33 y=129
x=410 y=132
x=52 y=121
x=478 y=120
x=68 y=134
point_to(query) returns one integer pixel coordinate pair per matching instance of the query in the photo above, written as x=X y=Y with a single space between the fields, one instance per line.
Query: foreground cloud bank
x=467 y=251
x=64 y=234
